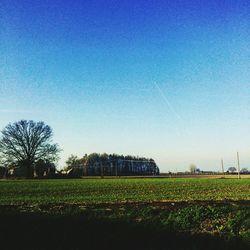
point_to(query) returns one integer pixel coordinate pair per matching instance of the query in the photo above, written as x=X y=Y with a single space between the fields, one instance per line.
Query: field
x=187 y=213
x=94 y=191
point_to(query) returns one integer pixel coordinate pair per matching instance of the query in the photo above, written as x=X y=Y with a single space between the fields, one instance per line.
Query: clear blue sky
x=163 y=79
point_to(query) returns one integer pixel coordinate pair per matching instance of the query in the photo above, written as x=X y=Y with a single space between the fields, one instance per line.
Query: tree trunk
x=29 y=170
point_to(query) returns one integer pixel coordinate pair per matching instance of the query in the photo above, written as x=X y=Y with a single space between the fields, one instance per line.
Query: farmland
x=94 y=191
x=188 y=213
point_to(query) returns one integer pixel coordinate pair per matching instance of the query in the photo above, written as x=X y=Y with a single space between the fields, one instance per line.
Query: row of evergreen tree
x=110 y=164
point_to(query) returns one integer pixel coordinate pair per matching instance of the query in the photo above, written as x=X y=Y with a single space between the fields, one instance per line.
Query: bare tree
x=244 y=170
x=73 y=162
x=232 y=169
x=192 y=168
x=26 y=142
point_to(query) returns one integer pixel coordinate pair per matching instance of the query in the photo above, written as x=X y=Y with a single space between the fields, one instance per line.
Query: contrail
x=167 y=101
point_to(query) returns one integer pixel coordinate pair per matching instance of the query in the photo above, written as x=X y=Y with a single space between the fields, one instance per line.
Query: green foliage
x=183 y=205
x=122 y=190
x=240 y=223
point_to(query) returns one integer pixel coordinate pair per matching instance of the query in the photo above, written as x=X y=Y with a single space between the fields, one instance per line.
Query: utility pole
x=238 y=160
x=222 y=167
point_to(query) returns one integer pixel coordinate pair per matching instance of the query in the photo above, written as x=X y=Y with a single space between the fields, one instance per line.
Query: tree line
x=27 y=150
x=110 y=164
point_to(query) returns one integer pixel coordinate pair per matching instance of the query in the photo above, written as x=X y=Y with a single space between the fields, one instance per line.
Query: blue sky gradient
x=163 y=79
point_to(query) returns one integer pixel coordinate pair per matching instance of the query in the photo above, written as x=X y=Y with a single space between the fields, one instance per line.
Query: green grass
x=122 y=202
x=94 y=191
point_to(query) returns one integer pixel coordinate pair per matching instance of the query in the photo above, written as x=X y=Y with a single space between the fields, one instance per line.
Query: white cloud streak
x=170 y=106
